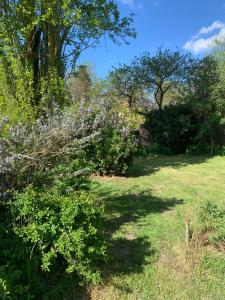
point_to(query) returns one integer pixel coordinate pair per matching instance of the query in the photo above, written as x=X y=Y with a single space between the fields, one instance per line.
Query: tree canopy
x=48 y=35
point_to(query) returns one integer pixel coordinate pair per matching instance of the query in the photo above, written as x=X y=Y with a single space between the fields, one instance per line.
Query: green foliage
x=180 y=129
x=4 y=292
x=18 y=270
x=70 y=177
x=125 y=82
x=163 y=72
x=113 y=151
x=80 y=84
x=61 y=226
x=212 y=220
x=174 y=128
x=196 y=124
x=48 y=36
x=16 y=92
x=147 y=81
x=54 y=232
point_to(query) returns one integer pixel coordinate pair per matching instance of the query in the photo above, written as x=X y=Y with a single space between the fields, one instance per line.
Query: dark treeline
x=182 y=98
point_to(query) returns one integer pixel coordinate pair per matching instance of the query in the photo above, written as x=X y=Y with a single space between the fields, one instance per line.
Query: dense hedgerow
x=49 y=213
x=179 y=128
x=175 y=128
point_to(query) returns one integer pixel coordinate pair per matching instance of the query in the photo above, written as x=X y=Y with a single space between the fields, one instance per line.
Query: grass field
x=144 y=223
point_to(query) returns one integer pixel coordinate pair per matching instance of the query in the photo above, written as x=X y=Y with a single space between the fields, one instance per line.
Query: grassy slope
x=145 y=226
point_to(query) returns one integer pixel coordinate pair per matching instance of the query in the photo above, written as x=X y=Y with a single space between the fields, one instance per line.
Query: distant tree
x=125 y=82
x=202 y=77
x=80 y=84
x=219 y=90
x=205 y=98
x=163 y=72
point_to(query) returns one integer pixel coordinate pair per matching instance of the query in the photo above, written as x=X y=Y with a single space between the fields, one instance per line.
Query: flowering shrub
x=47 y=205
x=29 y=150
x=47 y=208
x=94 y=132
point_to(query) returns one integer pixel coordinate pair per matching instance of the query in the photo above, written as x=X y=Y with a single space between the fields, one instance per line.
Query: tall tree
x=205 y=98
x=48 y=35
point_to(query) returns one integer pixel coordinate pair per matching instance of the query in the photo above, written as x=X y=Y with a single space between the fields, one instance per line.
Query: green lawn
x=144 y=224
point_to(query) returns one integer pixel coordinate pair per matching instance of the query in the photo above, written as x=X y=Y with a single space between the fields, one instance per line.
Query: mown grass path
x=144 y=224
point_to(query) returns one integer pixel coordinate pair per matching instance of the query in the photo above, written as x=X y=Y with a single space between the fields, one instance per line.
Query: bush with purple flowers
x=46 y=195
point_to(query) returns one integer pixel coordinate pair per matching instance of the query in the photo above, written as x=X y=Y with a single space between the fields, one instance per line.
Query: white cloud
x=199 y=44
x=138 y=4
x=128 y=2
x=215 y=25
x=132 y=4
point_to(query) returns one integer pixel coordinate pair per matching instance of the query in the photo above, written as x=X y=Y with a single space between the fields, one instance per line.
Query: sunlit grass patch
x=144 y=222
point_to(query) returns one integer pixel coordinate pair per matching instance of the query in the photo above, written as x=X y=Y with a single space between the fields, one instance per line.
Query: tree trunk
x=33 y=55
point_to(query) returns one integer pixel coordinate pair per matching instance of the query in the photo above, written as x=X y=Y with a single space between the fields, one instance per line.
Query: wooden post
x=187 y=232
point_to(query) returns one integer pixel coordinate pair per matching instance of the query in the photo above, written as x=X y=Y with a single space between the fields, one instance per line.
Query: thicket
x=48 y=208
x=52 y=138
x=173 y=129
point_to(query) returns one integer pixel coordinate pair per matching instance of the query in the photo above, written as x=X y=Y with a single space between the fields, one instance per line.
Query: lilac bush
x=52 y=139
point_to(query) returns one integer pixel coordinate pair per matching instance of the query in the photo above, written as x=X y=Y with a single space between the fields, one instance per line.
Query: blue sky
x=188 y=24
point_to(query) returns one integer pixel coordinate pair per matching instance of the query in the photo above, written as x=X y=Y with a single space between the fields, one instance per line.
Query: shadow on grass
x=130 y=207
x=153 y=163
x=129 y=254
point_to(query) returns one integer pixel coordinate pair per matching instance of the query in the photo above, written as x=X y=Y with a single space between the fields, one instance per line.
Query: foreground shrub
x=49 y=216
x=212 y=220
x=51 y=230
x=48 y=212
x=61 y=227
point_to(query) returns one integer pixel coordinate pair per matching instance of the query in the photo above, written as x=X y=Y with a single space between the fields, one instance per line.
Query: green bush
x=173 y=129
x=212 y=220
x=220 y=151
x=181 y=128
x=205 y=149
x=53 y=237
x=61 y=227
x=54 y=229
x=112 y=153
x=68 y=177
